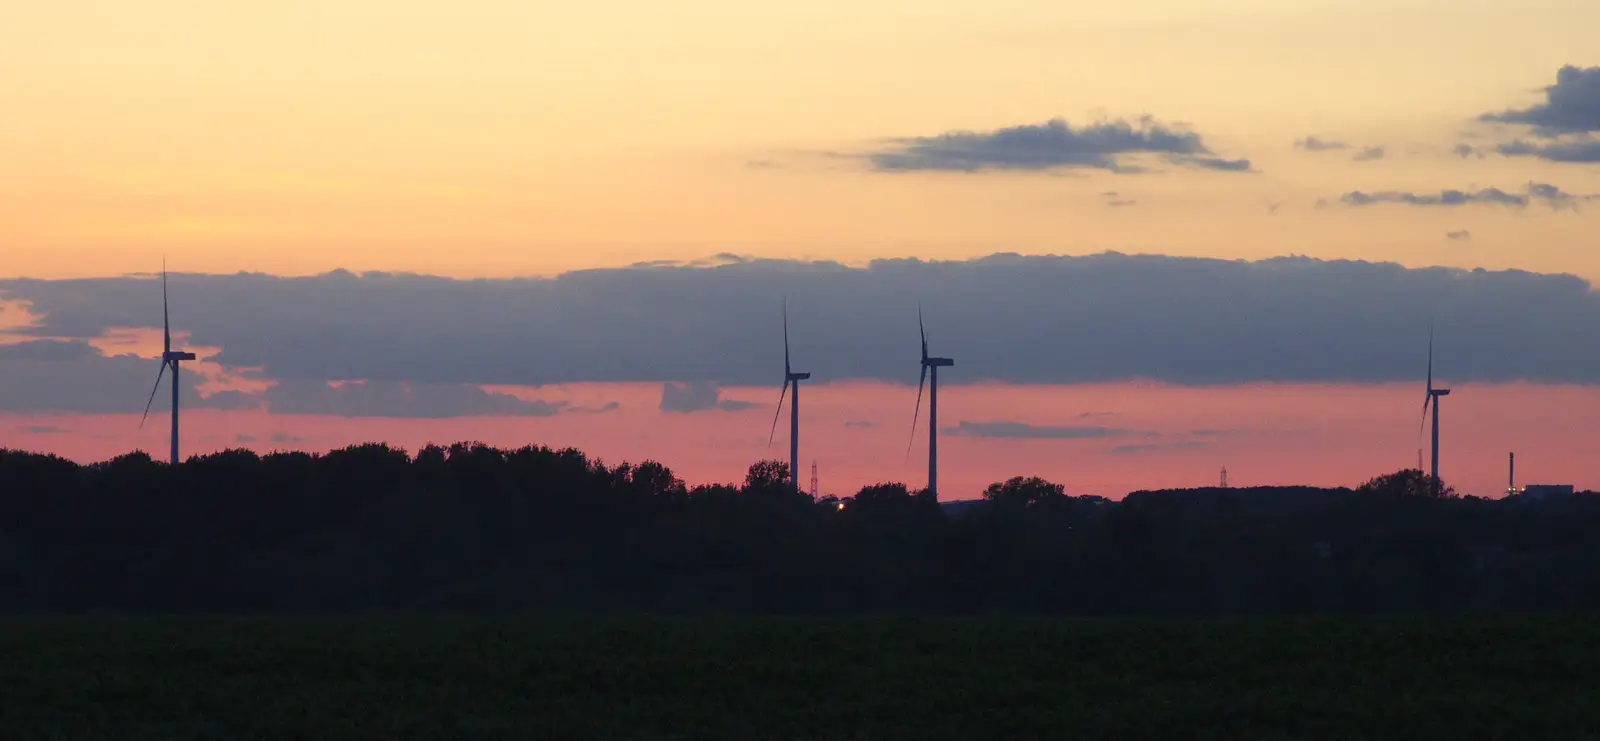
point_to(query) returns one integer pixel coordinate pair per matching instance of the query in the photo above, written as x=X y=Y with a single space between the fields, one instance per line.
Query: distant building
x=1538 y=492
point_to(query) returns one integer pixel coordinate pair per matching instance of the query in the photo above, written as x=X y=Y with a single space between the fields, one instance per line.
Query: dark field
x=781 y=678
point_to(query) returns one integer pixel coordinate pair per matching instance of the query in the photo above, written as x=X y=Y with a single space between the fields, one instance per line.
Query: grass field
x=395 y=678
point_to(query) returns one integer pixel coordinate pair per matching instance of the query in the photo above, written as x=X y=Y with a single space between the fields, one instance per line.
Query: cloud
x=71 y=376
x=1550 y=195
x=1114 y=199
x=43 y=430
x=700 y=396
x=50 y=351
x=610 y=406
x=1582 y=149
x=279 y=438
x=1022 y=431
x=1055 y=144
x=1004 y=318
x=1157 y=447
x=1460 y=235
x=1571 y=105
x=860 y=425
x=1464 y=151
x=1362 y=154
x=1314 y=144
x=400 y=399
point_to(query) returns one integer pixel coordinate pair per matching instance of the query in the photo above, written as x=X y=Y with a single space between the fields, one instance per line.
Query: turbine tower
x=168 y=358
x=790 y=378
x=1433 y=399
x=933 y=408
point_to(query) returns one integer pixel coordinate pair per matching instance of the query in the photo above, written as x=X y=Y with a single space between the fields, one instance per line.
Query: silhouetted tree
x=1024 y=492
x=766 y=475
x=1409 y=482
x=472 y=527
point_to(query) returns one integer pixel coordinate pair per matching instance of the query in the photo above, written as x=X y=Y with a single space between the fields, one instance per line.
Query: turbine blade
x=920 y=383
x=1424 y=423
x=1430 y=360
x=779 y=413
x=923 y=332
x=166 y=324
x=153 y=394
x=786 y=339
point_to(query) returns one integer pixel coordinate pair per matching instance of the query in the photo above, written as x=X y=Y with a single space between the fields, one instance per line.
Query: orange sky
x=498 y=137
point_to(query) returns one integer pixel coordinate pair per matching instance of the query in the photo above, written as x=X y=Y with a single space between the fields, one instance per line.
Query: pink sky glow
x=858 y=432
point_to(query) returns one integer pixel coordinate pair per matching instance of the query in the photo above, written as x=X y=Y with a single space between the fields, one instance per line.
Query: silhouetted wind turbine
x=790 y=378
x=933 y=408
x=168 y=357
x=1432 y=398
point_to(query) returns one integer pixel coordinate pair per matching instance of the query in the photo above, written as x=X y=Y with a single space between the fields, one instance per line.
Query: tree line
x=470 y=527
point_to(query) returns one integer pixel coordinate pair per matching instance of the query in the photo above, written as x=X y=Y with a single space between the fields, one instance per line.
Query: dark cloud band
x=1005 y=318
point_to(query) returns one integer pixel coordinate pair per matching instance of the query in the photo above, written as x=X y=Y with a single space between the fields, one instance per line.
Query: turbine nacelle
x=173 y=357
x=938 y=362
x=797 y=376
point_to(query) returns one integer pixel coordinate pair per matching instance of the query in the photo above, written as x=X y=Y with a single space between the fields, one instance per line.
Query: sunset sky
x=738 y=153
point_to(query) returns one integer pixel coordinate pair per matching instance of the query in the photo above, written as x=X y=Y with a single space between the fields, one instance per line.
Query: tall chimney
x=1511 y=476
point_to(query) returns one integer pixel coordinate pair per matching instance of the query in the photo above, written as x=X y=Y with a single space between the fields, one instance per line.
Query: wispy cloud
x=700 y=396
x=1368 y=154
x=1113 y=199
x=1022 y=431
x=610 y=406
x=1317 y=144
x=1361 y=154
x=1157 y=447
x=44 y=430
x=1459 y=235
x=1055 y=144
x=1572 y=149
x=860 y=425
x=1550 y=195
x=399 y=399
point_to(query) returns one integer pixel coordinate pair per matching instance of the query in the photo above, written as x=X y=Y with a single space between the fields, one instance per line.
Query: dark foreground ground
x=395 y=678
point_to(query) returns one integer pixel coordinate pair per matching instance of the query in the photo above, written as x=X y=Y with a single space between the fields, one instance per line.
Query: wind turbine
x=790 y=378
x=168 y=357
x=1432 y=398
x=933 y=407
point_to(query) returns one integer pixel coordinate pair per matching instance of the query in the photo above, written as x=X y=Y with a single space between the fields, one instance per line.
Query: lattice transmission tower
x=813 y=480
